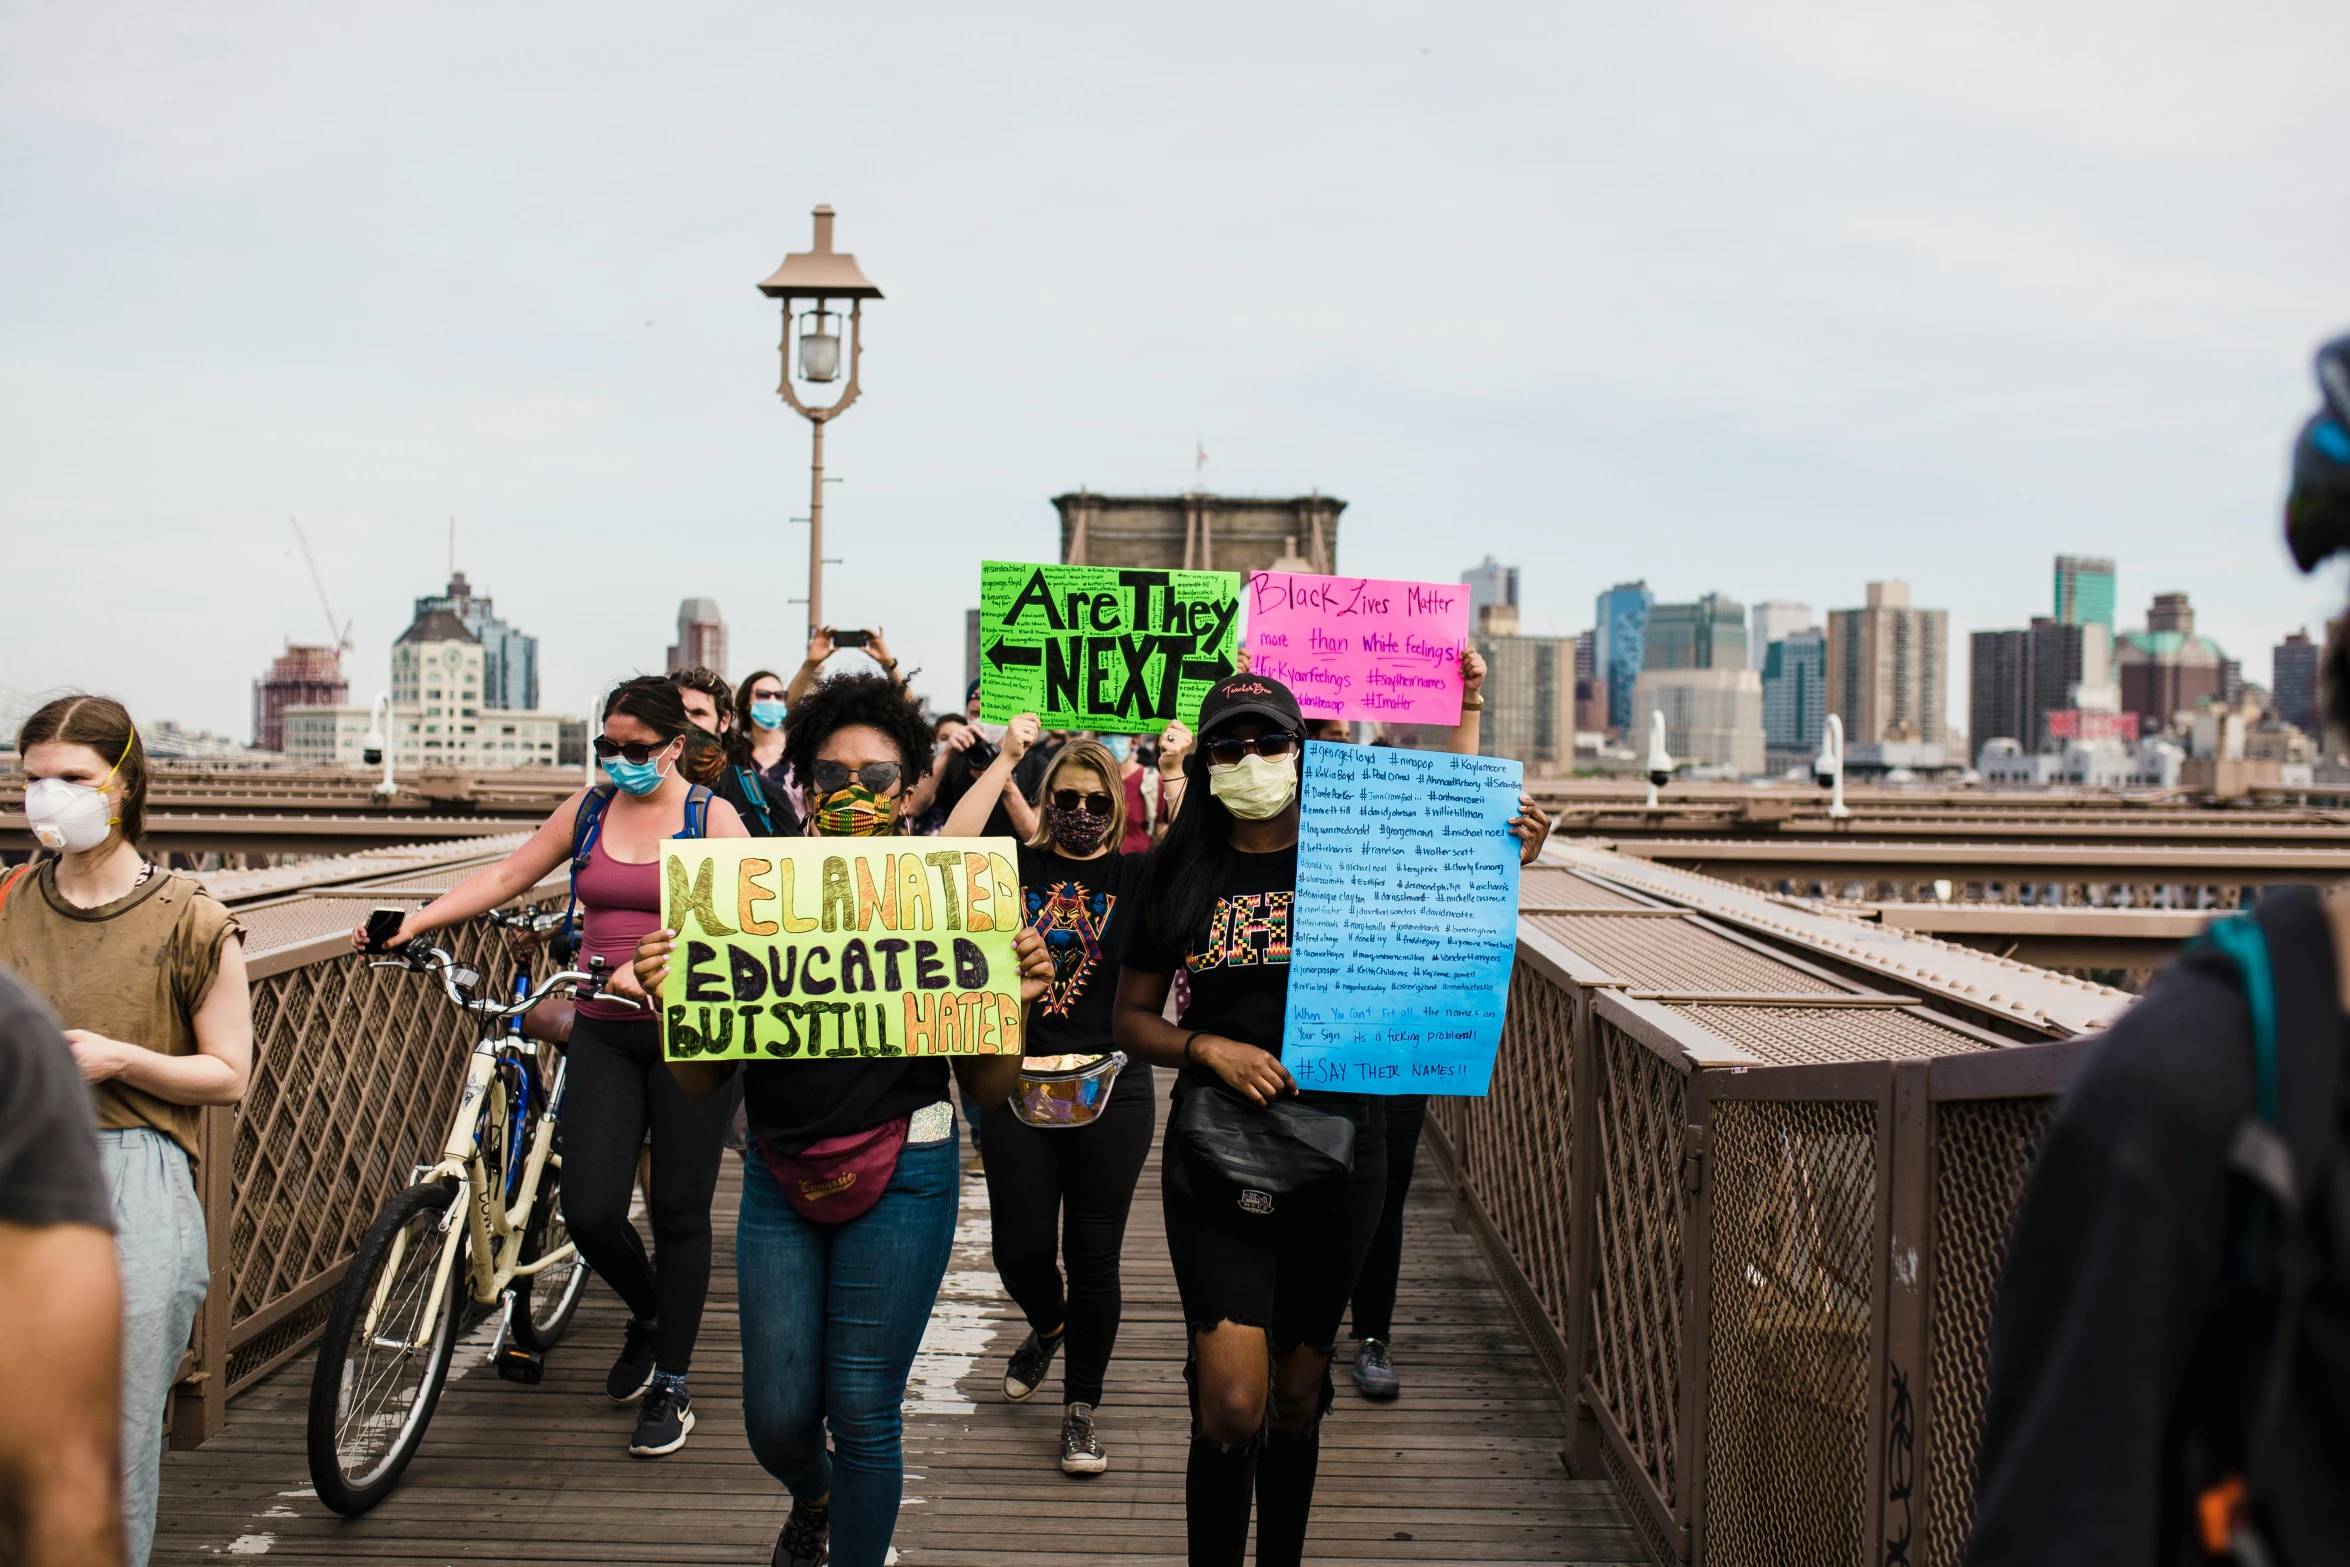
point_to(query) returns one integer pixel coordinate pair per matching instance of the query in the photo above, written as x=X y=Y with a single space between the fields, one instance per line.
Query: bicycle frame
x=497 y=1229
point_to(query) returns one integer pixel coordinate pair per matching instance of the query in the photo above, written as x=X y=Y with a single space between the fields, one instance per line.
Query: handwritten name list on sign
x=1360 y=647
x=1107 y=648
x=825 y=949
x=1407 y=920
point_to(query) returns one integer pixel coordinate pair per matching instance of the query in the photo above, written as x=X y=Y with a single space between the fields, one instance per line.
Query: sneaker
x=1081 y=1450
x=1374 y=1372
x=632 y=1373
x=806 y=1540
x=1029 y=1363
x=662 y=1424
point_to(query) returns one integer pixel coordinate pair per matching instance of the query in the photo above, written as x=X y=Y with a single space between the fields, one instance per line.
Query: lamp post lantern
x=820 y=277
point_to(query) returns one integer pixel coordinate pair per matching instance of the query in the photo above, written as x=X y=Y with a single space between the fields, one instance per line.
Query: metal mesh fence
x=354 y=1070
x=1637 y=1218
x=1670 y=954
x=1794 y=1036
x=1985 y=1149
x=1793 y=1189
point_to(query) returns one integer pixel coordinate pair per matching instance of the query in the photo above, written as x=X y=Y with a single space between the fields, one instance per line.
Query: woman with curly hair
x=833 y=1308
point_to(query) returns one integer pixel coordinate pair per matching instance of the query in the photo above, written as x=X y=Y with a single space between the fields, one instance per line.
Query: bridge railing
x=354 y=1073
x=1753 y=1224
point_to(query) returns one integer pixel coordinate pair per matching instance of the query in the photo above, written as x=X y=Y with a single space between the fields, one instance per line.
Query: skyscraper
x=1490 y=582
x=1709 y=634
x=701 y=637
x=2293 y=682
x=304 y=675
x=2168 y=669
x=1794 y=691
x=1887 y=665
x=1774 y=619
x=1619 y=621
x=2084 y=592
x=509 y=659
x=1999 y=689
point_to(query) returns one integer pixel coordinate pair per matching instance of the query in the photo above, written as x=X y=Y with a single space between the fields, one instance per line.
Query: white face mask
x=67 y=816
x=1255 y=787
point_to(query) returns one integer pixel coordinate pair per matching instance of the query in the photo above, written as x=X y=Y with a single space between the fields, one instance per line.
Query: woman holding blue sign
x=1064 y=1157
x=1271 y=1196
x=850 y=1184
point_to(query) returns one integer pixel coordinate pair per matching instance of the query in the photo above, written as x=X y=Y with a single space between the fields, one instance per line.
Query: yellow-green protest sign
x=826 y=949
x=1114 y=649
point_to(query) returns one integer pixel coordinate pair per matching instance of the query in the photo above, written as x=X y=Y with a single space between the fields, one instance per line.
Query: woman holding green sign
x=850 y=1188
x=1272 y=1196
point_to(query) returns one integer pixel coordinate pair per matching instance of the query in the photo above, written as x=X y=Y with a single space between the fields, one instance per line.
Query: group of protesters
x=1139 y=858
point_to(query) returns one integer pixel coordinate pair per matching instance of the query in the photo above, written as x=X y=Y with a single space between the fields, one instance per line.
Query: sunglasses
x=877 y=777
x=607 y=748
x=1228 y=752
x=1095 y=804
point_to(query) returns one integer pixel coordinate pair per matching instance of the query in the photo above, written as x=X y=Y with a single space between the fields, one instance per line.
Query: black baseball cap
x=1245 y=696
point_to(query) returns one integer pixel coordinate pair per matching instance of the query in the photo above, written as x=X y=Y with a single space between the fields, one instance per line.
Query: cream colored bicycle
x=480 y=1231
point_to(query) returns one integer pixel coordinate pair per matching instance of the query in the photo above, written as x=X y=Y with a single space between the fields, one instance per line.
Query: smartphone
x=851 y=638
x=382 y=926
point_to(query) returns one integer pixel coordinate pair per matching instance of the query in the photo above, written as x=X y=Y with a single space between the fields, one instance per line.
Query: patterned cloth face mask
x=853 y=812
x=1077 y=831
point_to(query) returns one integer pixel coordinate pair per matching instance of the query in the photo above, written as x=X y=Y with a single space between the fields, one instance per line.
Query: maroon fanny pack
x=837 y=1179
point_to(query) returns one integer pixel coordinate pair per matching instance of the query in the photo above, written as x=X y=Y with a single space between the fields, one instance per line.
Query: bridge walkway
x=1463 y=1469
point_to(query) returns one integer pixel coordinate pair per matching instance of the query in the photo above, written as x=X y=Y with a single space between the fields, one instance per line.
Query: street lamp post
x=821 y=276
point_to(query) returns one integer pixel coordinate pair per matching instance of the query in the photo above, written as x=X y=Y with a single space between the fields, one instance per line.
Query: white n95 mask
x=67 y=816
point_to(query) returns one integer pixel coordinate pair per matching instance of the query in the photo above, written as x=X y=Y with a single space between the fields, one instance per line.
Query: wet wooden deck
x=1462 y=1469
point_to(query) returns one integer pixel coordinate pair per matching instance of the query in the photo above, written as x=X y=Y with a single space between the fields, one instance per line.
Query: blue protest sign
x=1407 y=920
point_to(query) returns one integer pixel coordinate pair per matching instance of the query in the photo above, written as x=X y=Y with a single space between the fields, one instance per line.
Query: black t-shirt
x=1086 y=910
x=791 y=1104
x=963 y=769
x=1239 y=963
x=49 y=1171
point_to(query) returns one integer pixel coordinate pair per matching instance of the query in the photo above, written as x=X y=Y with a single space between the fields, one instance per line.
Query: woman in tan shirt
x=145 y=971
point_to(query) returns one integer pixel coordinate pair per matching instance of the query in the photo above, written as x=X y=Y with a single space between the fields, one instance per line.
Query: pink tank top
x=621 y=902
x=1138 y=832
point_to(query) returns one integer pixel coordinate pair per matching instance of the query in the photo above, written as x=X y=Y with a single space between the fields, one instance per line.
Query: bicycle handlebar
x=585 y=985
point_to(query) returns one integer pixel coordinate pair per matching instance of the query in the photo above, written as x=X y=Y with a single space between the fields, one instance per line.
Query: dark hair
x=846 y=701
x=738 y=744
x=651 y=700
x=104 y=725
x=1190 y=864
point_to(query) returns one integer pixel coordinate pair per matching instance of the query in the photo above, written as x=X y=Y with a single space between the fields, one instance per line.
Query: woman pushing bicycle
x=618 y=1087
x=834 y=1302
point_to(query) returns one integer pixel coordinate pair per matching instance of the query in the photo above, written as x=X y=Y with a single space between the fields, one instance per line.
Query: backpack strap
x=757 y=797
x=8 y=882
x=2285 y=1157
x=587 y=825
x=697 y=813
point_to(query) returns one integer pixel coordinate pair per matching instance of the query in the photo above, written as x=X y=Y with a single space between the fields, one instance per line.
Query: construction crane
x=340 y=638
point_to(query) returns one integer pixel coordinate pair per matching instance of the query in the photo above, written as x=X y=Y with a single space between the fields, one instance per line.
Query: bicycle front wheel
x=380 y=1371
x=544 y=1301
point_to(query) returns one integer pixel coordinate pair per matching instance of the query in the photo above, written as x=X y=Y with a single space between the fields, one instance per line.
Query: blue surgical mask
x=1119 y=745
x=767 y=715
x=634 y=777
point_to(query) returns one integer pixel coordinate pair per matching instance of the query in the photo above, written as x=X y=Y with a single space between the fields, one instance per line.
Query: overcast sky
x=1768 y=299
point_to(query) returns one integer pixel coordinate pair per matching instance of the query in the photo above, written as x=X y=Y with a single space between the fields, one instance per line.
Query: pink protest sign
x=1360 y=647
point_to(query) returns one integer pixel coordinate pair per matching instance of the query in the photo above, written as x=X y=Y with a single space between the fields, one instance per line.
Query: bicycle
x=420 y=1278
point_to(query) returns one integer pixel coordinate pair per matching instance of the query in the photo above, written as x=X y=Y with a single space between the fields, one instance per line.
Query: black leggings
x=1374 y=1301
x=1079 y=1181
x=616 y=1086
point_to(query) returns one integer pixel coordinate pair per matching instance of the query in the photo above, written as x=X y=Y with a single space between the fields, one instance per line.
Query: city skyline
x=1932 y=318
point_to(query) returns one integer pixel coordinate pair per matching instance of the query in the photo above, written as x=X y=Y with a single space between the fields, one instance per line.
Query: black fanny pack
x=1276 y=1149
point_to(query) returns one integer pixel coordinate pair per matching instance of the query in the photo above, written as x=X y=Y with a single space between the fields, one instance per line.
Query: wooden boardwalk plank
x=1463 y=1469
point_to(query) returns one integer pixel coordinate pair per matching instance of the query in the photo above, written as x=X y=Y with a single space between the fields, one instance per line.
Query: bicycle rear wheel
x=544 y=1301
x=376 y=1384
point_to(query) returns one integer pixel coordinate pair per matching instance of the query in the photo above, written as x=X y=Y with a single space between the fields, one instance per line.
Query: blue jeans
x=159 y=1242
x=831 y=1317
